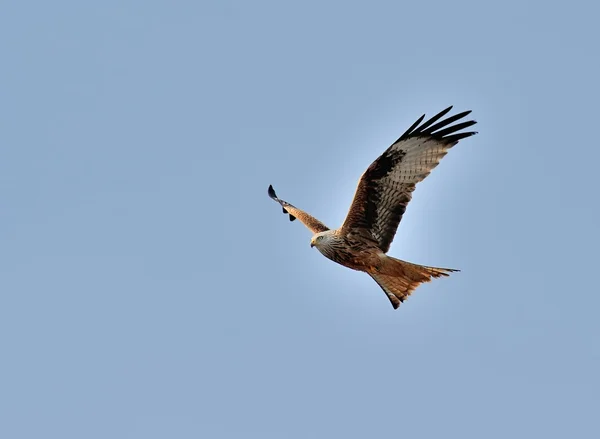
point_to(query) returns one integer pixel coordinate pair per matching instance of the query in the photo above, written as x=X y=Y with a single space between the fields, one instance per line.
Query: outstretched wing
x=309 y=221
x=386 y=187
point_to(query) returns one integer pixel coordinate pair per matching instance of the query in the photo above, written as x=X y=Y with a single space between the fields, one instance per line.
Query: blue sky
x=149 y=288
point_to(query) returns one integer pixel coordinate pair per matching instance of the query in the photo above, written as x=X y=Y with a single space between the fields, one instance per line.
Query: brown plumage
x=383 y=192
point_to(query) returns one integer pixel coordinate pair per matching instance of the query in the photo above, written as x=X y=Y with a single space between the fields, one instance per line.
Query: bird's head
x=320 y=238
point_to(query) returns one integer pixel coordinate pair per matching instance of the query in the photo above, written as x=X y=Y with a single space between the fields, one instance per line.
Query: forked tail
x=402 y=278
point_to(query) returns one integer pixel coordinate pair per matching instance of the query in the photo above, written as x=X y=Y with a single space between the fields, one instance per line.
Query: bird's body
x=350 y=250
x=383 y=192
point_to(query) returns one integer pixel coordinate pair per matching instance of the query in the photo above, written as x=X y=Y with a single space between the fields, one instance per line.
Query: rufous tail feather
x=402 y=278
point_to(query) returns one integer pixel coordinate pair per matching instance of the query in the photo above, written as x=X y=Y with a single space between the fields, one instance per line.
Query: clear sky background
x=149 y=288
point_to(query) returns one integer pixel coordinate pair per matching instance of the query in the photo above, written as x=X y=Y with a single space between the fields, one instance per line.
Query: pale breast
x=353 y=251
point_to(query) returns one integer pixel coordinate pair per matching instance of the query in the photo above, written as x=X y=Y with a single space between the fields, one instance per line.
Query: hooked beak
x=312 y=244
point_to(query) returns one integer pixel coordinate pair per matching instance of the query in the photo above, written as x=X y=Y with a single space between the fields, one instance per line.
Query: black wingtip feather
x=455 y=128
x=434 y=119
x=440 y=130
x=410 y=130
x=273 y=195
x=432 y=129
x=456 y=137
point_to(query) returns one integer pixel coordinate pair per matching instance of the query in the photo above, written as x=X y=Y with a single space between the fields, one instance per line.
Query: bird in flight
x=384 y=190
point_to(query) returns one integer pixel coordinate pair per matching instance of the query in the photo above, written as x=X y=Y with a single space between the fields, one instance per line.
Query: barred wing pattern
x=386 y=187
x=309 y=221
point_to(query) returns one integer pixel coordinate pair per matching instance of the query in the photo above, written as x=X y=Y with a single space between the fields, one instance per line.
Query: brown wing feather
x=309 y=221
x=386 y=187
